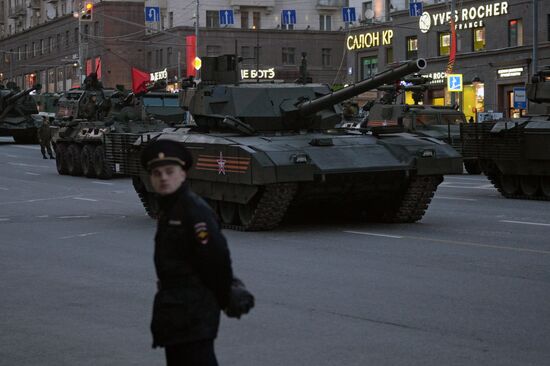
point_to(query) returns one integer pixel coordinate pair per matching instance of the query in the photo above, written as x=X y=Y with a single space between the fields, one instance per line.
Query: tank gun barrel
x=21 y=94
x=385 y=77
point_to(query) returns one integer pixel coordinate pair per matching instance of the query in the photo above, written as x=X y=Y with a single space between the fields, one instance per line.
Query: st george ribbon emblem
x=221 y=164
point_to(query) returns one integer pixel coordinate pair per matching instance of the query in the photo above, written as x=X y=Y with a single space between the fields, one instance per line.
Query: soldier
x=192 y=263
x=45 y=138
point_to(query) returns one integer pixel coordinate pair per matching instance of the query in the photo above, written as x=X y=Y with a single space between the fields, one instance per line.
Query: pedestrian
x=45 y=138
x=192 y=262
x=471 y=119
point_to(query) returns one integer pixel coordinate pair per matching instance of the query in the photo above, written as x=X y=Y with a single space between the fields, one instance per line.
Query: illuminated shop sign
x=437 y=77
x=465 y=18
x=508 y=73
x=258 y=74
x=370 y=39
x=159 y=75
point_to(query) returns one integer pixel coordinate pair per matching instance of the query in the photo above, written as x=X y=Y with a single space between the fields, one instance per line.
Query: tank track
x=494 y=178
x=270 y=209
x=415 y=200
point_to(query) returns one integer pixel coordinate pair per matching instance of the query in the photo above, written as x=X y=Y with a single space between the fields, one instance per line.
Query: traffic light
x=86 y=14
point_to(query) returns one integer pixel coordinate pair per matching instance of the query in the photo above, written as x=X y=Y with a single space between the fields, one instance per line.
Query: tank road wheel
x=228 y=212
x=87 y=161
x=529 y=185
x=510 y=184
x=102 y=168
x=545 y=185
x=73 y=160
x=61 y=158
x=472 y=166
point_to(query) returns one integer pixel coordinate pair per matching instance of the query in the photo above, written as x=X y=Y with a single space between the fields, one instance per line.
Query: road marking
x=106 y=183
x=78 y=235
x=485 y=186
x=4 y=219
x=28 y=165
x=28 y=147
x=42 y=216
x=455 y=198
x=73 y=217
x=374 y=234
x=11 y=156
x=35 y=200
x=4 y=189
x=470 y=179
x=525 y=222
x=84 y=199
x=29 y=173
x=456 y=242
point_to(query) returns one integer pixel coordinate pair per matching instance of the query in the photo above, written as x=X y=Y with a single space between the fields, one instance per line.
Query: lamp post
x=257 y=53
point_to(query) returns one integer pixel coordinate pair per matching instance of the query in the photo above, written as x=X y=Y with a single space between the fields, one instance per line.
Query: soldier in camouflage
x=45 y=138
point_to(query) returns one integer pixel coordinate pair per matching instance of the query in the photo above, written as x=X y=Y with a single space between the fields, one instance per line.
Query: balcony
x=34 y=4
x=17 y=12
x=330 y=4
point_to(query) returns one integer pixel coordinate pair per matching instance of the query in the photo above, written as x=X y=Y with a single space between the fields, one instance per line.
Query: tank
x=16 y=110
x=439 y=122
x=85 y=117
x=515 y=154
x=264 y=150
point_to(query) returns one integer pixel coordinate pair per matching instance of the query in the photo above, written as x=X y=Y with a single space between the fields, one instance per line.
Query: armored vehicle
x=262 y=148
x=515 y=154
x=47 y=104
x=16 y=110
x=85 y=117
x=439 y=122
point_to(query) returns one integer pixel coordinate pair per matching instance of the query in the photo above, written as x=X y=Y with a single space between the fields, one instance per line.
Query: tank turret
x=538 y=93
x=274 y=106
x=16 y=110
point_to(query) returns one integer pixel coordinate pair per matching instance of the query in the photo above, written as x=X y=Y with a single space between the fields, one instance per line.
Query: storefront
x=508 y=79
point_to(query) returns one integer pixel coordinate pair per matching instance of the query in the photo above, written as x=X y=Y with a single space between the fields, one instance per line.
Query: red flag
x=190 y=42
x=452 y=53
x=140 y=79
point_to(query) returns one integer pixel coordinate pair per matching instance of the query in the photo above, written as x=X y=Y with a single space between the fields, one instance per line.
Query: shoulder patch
x=201 y=232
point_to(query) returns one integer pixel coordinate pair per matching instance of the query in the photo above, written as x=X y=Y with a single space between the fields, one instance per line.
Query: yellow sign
x=370 y=39
x=197 y=63
x=454 y=82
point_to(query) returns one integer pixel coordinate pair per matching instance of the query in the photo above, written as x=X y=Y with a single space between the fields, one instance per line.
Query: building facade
x=494 y=50
x=44 y=41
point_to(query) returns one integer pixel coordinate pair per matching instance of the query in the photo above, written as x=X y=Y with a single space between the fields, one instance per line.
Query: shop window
x=412 y=47
x=389 y=55
x=289 y=56
x=325 y=22
x=444 y=44
x=515 y=33
x=256 y=20
x=325 y=57
x=369 y=67
x=244 y=19
x=479 y=39
x=212 y=19
x=213 y=50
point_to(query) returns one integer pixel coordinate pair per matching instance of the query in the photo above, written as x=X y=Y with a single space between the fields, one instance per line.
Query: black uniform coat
x=193 y=267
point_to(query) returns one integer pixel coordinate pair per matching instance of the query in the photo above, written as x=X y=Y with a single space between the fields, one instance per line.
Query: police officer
x=192 y=262
x=45 y=138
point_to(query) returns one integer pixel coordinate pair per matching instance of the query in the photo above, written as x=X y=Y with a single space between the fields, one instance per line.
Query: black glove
x=240 y=300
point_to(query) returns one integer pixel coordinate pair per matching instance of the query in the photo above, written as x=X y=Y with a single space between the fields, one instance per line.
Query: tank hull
x=393 y=176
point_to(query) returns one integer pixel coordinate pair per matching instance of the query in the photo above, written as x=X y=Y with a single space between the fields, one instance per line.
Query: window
x=96 y=28
x=479 y=39
x=34 y=49
x=86 y=31
x=325 y=57
x=444 y=44
x=212 y=19
x=256 y=20
x=369 y=67
x=288 y=56
x=58 y=41
x=244 y=19
x=161 y=57
x=50 y=44
x=66 y=38
x=389 y=55
x=412 y=47
x=42 y=47
x=367 y=11
x=515 y=33
x=213 y=50
x=169 y=56
x=325 y=22
x=149 y=60
x=76 y=35
x=171 y=19
x=26 y=52
x=19 y=56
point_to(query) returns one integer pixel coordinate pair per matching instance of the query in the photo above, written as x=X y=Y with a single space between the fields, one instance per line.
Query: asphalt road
x=468 y=285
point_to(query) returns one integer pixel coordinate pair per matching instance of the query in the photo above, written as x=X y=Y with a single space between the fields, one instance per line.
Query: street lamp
x=257 y=53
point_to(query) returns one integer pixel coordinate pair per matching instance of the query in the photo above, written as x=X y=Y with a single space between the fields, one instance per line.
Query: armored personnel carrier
x=439 y=122
x=16 y=110
x=86 y=116
x=515 y=154
x=262 y=148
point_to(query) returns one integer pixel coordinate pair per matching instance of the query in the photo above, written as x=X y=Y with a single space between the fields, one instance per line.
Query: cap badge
x=161 y=155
